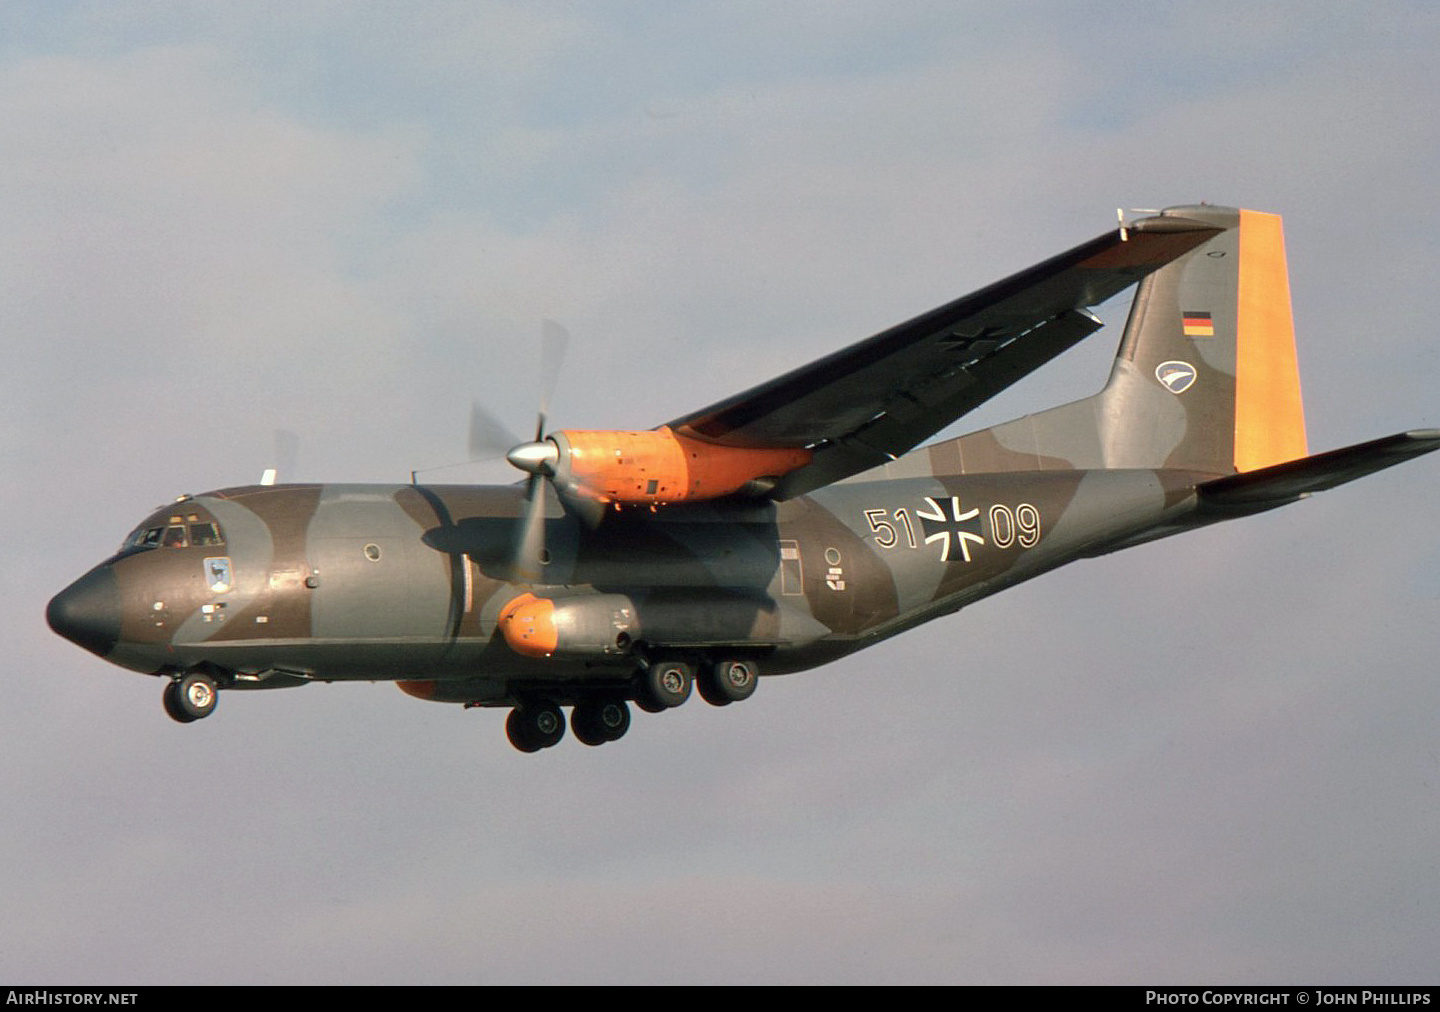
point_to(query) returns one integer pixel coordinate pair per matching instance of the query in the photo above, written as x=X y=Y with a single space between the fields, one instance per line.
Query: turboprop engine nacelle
x=598 y=624
x=610 y=625
x=660 y=466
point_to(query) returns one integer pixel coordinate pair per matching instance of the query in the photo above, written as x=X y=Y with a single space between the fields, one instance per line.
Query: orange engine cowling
x=596 y=624
x=661 y=466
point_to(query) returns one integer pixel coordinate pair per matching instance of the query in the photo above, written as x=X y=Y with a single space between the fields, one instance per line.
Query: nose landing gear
x=190 y=697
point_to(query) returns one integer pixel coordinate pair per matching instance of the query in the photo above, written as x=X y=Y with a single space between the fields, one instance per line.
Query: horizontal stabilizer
x=1284 y=483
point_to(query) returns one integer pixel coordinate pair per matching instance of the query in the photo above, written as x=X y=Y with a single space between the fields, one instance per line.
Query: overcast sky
x=1215 y=758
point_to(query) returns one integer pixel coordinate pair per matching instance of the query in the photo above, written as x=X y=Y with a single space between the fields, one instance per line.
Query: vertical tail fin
x=1206 y=377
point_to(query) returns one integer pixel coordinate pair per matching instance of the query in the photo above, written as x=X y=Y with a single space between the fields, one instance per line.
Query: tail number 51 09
x=1009 y=526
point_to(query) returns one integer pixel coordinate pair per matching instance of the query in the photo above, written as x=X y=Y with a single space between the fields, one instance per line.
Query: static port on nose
x=87 y=613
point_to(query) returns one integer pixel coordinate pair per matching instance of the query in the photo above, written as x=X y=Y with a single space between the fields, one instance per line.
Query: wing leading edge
x=879 y=398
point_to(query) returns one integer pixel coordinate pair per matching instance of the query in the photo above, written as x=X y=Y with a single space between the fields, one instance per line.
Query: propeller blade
x=554 y=339
x=530 y=547
x=287 y=449
x=489 y=437
x=538 y=458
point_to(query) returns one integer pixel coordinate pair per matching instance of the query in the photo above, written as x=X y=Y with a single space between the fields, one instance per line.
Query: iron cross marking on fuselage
x=960 y=528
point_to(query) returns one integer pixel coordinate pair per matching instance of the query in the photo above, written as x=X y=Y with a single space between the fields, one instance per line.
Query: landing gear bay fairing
x=774 y=531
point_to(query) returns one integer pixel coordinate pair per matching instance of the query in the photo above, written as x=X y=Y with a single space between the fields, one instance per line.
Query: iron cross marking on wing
x=958 y=528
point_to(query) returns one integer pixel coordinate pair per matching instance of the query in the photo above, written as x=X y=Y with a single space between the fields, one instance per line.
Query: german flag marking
x=1198 y=325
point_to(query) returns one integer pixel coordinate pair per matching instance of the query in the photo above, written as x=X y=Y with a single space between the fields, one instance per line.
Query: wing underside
x=877 y=399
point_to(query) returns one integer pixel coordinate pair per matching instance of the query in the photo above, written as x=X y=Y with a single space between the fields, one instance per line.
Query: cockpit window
x=204 y=534
x=180 y=532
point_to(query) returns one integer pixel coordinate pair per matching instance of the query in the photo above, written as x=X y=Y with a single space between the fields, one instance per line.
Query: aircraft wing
x=871 y=402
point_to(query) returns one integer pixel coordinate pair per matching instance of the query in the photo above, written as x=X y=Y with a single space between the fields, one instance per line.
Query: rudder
x=1269 y=415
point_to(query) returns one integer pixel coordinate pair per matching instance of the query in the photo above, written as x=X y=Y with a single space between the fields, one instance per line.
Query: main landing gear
x=600 y=721
x=190 y=697
x=533 y=726
x=728 y=681
x=660 y=685
x=663 y=684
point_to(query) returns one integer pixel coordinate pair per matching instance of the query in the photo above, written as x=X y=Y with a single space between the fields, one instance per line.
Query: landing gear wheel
x=515 y=731
x=531 y=728
x=192 y=697
x=600 y=721
x=169 y=698
x=664 y=684
x=728 y=681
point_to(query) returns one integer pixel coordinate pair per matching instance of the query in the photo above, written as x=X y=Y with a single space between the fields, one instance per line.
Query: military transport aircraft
x=771 y=532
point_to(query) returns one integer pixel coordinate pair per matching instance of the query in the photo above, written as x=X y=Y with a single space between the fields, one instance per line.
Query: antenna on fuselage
x=287 y=449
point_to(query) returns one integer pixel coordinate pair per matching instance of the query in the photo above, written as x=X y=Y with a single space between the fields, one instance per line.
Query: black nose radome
x=87 y=612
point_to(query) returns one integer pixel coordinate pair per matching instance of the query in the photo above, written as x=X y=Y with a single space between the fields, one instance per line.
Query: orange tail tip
x=1269 y=416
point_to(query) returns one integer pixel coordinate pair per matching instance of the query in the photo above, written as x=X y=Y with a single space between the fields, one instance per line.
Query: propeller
x=491 y=438
x=538 y=458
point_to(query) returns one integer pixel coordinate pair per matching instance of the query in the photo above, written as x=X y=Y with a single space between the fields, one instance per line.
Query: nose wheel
x=190 y=697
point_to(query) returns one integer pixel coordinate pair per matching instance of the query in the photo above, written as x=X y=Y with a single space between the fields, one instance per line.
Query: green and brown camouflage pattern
x=408 y=582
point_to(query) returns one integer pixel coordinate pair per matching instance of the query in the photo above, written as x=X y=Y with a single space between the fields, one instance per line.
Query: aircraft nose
x=87 y=612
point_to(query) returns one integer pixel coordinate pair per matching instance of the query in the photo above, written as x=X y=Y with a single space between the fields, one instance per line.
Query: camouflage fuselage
x=336 y=582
